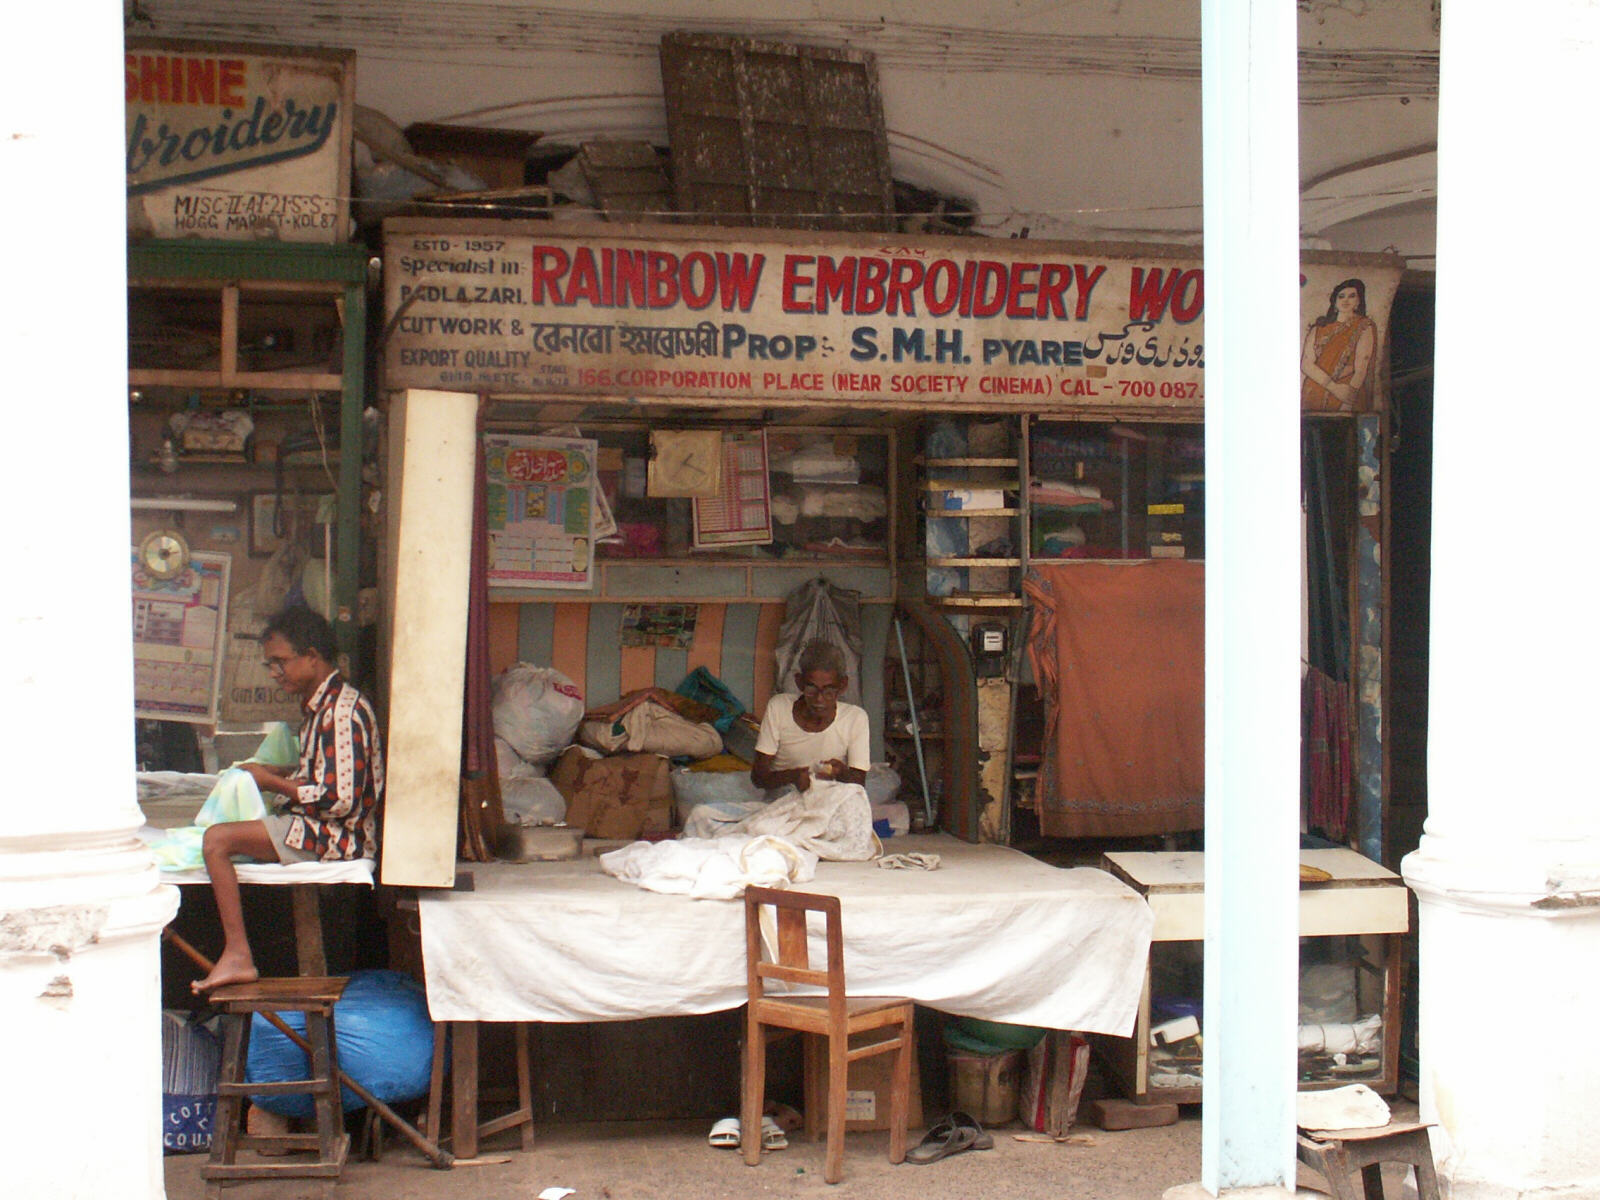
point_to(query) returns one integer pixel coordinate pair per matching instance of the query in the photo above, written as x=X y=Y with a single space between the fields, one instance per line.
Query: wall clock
x=163 y=553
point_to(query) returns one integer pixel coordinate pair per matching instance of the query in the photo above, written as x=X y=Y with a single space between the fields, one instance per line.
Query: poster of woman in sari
x=1338 y=357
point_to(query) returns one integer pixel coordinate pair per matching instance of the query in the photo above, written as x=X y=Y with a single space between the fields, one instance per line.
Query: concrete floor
x=671 y=1161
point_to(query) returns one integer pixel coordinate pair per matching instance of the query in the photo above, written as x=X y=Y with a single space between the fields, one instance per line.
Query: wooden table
x=1360 y=898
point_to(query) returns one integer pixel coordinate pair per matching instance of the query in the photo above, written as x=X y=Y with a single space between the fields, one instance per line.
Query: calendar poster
x=178 y=627
x=541 y=506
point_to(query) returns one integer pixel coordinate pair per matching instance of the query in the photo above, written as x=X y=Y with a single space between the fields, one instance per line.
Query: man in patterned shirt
x=325 y=808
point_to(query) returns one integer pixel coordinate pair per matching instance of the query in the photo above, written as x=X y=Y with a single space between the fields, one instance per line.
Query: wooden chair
x=833 y=1016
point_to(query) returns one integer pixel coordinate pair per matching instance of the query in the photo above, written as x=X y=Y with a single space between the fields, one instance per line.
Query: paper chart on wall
x=741 y=512
x=541 y=508
x=178 y=626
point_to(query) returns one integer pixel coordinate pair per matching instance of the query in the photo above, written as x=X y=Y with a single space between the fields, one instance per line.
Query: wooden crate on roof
x=628 y=180
x=773 y=134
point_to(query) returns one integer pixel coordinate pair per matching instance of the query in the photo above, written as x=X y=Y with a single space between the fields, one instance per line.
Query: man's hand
x=767 y=777
x=833 y=768
x=270 y=778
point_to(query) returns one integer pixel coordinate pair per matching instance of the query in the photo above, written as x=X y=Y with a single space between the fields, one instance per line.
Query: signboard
x=178 y=626
x=900 y=321
x=541 y=511
x=238 y=141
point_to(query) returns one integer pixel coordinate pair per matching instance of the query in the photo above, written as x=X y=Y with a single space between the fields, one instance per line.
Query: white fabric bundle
x=711 y=869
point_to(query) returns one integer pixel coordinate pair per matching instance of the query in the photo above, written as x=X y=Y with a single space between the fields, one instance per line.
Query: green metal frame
x=267 y=262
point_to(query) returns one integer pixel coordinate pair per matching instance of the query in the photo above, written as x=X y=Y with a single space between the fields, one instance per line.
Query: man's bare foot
x=230 y=968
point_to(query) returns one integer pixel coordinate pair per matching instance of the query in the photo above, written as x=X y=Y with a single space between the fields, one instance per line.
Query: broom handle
x=442 y=1159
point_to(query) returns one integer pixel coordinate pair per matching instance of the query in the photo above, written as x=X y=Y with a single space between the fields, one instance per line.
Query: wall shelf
x=236 y=299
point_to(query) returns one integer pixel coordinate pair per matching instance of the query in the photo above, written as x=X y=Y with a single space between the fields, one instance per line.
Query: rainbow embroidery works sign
x=241 y=142
x=911 y=322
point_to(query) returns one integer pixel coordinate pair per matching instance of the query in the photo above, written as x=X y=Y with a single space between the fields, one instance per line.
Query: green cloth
x=236 y=797
x=975 y=1036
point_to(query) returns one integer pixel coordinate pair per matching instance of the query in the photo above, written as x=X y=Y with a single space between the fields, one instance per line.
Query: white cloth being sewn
x=831 y=820
x=715 y=869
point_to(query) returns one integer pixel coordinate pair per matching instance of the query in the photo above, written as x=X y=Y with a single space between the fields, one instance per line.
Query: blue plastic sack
x=385 y=1043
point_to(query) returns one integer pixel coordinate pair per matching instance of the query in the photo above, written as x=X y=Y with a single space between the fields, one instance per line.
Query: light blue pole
x=1252 y=591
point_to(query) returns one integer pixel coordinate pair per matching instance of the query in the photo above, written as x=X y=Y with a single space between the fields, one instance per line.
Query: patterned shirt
x=341 y=755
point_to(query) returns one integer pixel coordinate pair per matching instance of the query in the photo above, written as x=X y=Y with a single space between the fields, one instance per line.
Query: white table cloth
x=993 y=934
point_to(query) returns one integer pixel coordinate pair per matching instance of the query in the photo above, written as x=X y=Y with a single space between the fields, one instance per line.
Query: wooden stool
x=239 y=1002
x=465 y=1128
x=1337 y=1153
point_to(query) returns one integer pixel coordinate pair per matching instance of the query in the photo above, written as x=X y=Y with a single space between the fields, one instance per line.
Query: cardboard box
x=867 y=1095
x=618 y=796
x=958 y=499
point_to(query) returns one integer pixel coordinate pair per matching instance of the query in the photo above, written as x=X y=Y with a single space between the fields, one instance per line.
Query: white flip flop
x=725 y=1134
x=772 y=1135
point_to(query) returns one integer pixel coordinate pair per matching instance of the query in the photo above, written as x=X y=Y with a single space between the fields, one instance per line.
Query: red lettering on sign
x=741 y=273
x=528 y=465
x=836 y=282
x=550 y=263
x=661 y=280
x=200 y=81
x=988 y=289
x=1020 y=289
x=230 y=82
x=699 y=294
x=871 y=276
x=1189 y=297
x=793 y=281
x=630 y=279
x=1148 y=296
x=939 y=303
x=584 y=282
x=904 y=277
x=1054 y=279
x=164 y=79
x=1086 y=281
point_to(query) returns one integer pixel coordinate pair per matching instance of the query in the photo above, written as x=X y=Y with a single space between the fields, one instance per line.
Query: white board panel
x=437 y=434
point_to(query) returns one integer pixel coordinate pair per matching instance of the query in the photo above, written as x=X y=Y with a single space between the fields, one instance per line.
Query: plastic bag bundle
x=536 y=711
x=651 y=728
x=819 y=611
x=532 y=800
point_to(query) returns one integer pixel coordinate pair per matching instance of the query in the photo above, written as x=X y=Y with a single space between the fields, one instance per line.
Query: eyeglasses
x=813 y=689
x=276 y=664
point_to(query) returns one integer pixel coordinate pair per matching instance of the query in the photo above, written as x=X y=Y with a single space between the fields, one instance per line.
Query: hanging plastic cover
x=818 y=610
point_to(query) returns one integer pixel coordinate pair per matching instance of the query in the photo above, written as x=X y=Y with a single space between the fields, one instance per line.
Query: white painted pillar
x=1252 y=592
x=81 y=906
x=1508 y=871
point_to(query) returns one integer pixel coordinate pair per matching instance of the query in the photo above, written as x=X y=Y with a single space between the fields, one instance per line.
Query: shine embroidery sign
x=238 y=142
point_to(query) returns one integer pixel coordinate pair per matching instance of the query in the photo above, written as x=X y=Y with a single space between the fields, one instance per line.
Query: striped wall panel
x=735 y=642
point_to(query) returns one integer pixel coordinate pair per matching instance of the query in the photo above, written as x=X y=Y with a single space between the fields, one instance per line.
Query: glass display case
x=1112 y=490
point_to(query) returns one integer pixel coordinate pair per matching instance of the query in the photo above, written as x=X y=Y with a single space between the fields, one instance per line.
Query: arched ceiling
x=1061 y=118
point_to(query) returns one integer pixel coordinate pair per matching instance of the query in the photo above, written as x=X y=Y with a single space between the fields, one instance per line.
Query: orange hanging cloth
x=1118 y=650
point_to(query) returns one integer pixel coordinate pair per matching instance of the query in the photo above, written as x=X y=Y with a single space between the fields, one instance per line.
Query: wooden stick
x=441 y=1159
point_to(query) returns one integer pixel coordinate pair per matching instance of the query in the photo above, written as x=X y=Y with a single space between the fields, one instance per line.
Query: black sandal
x=955 y=1133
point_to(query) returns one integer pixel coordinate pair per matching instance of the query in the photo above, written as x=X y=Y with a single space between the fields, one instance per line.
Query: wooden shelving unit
x=225 y=279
